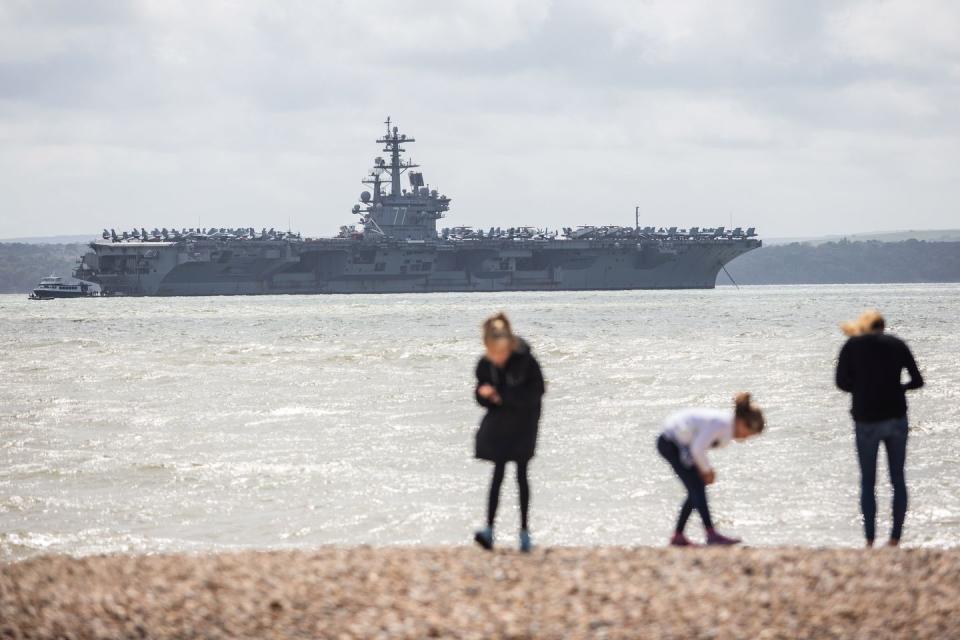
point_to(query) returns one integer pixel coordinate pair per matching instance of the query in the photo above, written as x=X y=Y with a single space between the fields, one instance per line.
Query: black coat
x=509 y=430
x=870 y=367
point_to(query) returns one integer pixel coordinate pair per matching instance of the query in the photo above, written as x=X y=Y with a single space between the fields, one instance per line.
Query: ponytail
x=749 y=412
x=869 y=321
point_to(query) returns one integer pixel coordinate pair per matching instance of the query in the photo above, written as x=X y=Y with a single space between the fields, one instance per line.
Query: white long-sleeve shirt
x=698 y=430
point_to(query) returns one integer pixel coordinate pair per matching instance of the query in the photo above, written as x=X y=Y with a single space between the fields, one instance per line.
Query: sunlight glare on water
x=151 y=424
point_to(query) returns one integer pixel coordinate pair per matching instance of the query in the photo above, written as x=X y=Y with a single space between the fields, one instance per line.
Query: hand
x=488 y=392
x=485 y=391
x=709 y=477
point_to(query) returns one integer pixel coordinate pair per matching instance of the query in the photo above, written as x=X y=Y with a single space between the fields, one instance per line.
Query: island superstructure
x=395 y=247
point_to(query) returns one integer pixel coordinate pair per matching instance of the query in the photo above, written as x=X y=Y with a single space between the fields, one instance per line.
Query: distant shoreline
x=50 y=240
x=843 y=262
x=464 y=592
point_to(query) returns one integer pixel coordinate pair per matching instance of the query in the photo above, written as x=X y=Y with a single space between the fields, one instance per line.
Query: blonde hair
x=869 y=320
x=497 y=328
x=749 y=412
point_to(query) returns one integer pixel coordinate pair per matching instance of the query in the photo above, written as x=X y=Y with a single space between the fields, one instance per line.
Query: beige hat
x=868 y=321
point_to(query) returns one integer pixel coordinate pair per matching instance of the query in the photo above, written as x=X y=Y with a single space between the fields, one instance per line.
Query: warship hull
x=334 y=266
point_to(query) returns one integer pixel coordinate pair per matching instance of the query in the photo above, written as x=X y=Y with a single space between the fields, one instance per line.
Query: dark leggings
x=893 y=435
x=696 y=490
x=494 y=499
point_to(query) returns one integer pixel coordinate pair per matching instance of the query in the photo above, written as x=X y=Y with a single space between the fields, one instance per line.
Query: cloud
x=922 y=36
x=798 y=116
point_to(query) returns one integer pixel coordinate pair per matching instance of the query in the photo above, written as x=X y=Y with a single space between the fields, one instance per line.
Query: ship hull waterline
x=603 y=272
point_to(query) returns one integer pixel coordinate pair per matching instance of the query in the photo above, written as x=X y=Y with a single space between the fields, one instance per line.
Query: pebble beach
x=461 y=592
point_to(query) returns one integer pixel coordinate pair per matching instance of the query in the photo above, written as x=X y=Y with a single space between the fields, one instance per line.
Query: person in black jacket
x=869 y=367
x=510 y=386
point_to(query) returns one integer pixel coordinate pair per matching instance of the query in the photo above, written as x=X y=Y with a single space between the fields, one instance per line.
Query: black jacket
x=869 y=367
x=509 y=430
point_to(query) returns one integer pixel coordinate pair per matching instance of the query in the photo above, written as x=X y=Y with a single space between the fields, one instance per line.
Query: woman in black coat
x=510 y=386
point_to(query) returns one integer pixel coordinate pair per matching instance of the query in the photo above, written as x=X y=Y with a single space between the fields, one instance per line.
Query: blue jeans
x=893 y=434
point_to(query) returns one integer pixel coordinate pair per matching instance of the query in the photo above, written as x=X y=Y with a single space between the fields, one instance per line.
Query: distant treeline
x=22 y=265
x=848 y=262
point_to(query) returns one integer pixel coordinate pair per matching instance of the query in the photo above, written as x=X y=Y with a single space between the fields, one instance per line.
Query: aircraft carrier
x=395 y=247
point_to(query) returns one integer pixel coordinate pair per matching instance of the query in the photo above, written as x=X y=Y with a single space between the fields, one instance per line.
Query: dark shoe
x=680 y=540
x=484 y=538
x=714 y=538
x=526 y=544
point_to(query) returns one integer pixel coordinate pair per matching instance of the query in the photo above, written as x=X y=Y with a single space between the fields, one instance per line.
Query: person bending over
x=510 y=386
x=683 y=444
x=870 y=367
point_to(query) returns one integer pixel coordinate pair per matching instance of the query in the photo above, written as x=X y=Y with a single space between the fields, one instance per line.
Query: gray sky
x=800 y=117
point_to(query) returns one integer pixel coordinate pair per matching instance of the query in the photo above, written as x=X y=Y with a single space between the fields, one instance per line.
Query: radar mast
x=391 y=142
x=399 y=214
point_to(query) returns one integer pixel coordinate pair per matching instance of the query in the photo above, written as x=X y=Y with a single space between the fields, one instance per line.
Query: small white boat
x=56 y=287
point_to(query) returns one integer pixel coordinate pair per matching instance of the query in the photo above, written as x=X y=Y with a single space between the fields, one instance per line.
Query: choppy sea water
x=142 y=425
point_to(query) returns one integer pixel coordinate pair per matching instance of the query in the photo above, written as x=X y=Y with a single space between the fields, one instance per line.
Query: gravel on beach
x=462 y=592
